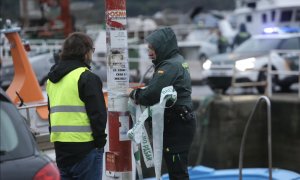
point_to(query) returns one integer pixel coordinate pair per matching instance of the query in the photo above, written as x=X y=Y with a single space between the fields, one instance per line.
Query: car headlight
x=245 y=64
x=207 y=64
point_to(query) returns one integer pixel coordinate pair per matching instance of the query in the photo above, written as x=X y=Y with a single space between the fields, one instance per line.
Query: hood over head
x=164 y=43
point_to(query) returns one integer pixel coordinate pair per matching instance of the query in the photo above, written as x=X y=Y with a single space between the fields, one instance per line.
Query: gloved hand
x=133 y=95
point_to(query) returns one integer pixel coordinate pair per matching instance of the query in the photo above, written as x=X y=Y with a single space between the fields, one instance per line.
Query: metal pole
x=28 y=120
x=299 y=77
x=24 y=12
x=233 y=83
x=269 y=76
x=118 y=161
x=245 y=133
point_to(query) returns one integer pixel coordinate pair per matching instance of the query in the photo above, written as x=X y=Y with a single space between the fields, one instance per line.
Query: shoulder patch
x=185 y=65
x=160 y=72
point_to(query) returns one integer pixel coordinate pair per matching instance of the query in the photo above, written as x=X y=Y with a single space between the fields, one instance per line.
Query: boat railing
x=36 y=47
x=31 y=115
x=52 y=46
x=245 y=133
x=271 y=72
x=37 y=125
x=268 y=83
x=182 y=30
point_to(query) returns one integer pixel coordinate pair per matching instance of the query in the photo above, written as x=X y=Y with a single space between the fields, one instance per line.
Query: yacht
x=258 y=15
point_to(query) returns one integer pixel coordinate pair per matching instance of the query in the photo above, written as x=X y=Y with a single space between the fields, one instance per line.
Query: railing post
x=245 y=133
x=299 y=76
x=269 y=76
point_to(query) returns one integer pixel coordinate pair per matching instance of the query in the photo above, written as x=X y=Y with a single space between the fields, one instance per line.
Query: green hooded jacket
x=170 y=69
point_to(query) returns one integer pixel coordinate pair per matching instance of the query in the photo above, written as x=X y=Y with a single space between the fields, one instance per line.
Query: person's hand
x=132 y=94
x=129 y=91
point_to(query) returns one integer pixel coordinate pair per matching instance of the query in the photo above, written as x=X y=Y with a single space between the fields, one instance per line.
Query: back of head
x=75 y=46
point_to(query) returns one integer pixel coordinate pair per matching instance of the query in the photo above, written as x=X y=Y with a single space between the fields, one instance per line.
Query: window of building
x=248 y=18
x=286 y=16
x=264 y=18
x=252 y=5
x=297 y=18
x=273 y=15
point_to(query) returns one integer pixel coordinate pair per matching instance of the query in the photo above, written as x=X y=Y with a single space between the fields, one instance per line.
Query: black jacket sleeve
x=90 y=92
x=164 y=76
x=48 y=105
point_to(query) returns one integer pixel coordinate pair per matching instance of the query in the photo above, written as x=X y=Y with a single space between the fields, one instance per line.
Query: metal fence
x=268 y=83
x=271 y=72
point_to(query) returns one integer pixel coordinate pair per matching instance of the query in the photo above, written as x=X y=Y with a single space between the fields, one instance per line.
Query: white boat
x=260 y=14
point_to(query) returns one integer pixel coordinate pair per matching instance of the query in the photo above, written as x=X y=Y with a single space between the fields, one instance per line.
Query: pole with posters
x=118 y=162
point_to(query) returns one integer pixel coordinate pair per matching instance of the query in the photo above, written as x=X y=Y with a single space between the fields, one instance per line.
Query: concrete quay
x=220 y=125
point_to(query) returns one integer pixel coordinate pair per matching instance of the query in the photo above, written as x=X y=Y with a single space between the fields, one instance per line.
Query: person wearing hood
x=77 y=111
x=179 y=120
x=222 y=43
x=242 y=36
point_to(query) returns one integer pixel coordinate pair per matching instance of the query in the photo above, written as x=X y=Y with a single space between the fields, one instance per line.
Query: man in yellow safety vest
x=77 y=111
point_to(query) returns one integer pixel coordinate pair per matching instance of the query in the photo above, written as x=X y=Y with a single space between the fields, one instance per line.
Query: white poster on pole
x=124 y=120
x=118 y=38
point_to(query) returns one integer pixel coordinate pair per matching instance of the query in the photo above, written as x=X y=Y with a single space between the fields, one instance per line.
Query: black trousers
x=177 y=164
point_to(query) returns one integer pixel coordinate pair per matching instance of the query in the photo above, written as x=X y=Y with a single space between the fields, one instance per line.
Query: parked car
x=19 y=155
x=253 y=55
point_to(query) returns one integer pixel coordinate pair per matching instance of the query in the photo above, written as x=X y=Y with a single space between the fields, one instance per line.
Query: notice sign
x=118 y=38
x=118 y=68
x=124 y=121
x=119 y=74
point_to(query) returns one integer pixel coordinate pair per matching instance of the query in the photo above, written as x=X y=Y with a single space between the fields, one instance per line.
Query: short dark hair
x=76 y=45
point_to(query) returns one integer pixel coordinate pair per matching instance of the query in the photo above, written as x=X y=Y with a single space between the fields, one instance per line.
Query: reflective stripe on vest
x=243 y=35
x=68 y=118
x=67 y=109
x=71 y=129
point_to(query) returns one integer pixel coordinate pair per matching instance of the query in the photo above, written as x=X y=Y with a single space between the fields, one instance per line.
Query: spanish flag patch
x=160 y=71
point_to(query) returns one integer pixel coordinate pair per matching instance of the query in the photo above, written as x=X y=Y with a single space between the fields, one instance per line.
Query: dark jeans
x=89 y=168
x=177 y=164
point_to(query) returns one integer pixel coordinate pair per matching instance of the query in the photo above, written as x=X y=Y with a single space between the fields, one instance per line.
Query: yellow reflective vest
x=69 y=120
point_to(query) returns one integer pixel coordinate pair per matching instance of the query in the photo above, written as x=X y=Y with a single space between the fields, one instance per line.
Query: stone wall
x=217 y=141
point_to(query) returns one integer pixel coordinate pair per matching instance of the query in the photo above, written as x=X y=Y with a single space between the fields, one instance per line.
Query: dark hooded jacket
x=242 y=36
x=170 y=69
x=90 y=92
